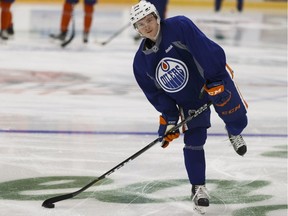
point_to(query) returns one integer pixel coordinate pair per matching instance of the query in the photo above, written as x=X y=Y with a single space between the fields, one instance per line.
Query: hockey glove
x=217 y=93
x=164 y=127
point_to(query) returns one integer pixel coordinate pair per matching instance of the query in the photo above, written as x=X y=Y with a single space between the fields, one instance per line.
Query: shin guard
x=6 y=15
x=88 y=10
x=66 y=16
x=194 y=155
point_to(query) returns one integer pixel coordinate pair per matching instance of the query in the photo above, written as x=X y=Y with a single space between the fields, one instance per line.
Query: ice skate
x=238 y=144
x=85 y=37
x=10 y=30
x=200 y=198
x=4 y=35
x=60 y=36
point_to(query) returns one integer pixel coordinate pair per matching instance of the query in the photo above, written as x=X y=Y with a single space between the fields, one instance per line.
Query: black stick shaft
x=123 y=163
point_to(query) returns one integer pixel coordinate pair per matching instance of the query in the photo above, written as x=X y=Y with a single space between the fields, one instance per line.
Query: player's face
x=148 y=26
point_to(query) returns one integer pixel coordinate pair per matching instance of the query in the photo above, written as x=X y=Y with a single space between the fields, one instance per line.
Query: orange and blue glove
x=217 y=93
x=165 y=125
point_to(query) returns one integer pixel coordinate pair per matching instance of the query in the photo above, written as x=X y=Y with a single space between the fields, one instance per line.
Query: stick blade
x=49 y=203
x=46 y=204
x=65 y=43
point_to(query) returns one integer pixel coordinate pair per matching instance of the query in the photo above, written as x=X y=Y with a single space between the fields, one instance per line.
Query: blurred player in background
x=218 y=4
x=7 y=29
x=67 y=14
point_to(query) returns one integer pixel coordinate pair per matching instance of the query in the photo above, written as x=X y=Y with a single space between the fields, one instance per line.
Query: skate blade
x=199 y=209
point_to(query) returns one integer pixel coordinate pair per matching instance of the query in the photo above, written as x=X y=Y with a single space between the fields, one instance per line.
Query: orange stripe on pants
x=231 y=72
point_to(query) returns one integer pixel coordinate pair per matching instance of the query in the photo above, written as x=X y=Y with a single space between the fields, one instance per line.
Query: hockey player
x=179 y=69
x=67 y=14
x=6 y=19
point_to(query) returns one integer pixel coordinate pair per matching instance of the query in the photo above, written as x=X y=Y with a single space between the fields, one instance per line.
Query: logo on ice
x=172 y=75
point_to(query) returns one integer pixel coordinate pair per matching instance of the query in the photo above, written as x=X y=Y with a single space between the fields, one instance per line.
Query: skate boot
x=4 y=35
x=238 y=144
x=60 y=36
x=10 y=30
x=200 y=198
x=85 y=37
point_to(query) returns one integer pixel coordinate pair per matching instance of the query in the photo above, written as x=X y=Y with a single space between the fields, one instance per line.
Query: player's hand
x=217 y=93
x=164 y=126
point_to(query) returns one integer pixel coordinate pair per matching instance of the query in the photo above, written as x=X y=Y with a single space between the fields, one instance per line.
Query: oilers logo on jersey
x=172 y=74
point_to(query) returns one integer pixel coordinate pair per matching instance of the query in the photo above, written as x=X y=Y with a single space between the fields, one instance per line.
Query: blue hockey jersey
x=172 y=71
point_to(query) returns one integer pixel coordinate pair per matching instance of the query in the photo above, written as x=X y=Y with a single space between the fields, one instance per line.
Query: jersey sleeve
x=208 y=55
x=156 y=96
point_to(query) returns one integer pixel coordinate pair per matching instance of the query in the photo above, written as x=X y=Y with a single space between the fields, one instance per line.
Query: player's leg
x=231 y=108
x=6 y=19
x=194 y=158
x=217 y=5
x=240 y=5
x=88 y=18
x=66 y=17
x=234 y=116
x=67 y=12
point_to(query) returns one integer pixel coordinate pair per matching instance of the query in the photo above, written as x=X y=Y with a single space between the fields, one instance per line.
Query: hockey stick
x=65 y=43
x=49 y=203
x=115 y=34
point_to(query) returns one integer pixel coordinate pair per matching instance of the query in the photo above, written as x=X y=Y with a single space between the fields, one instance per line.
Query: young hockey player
x=179 y=70
x=67 y=14
x=6 y=19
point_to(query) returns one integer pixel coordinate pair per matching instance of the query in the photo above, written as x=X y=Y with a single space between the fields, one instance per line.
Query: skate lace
x=200 y=192
x=237 y=141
